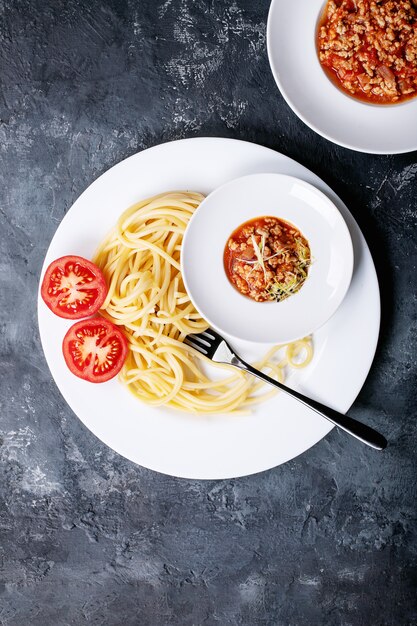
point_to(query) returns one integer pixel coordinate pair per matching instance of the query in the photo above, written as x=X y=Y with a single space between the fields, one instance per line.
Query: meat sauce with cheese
x=267 y=259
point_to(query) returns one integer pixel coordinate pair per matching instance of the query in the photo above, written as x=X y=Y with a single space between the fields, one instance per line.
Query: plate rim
x=327 y=427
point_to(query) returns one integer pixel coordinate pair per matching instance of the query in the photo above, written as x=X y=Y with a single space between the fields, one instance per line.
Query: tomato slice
x=94 y=349
x=73 y=287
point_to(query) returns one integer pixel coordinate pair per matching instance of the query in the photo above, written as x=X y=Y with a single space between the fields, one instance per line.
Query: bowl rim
x=349 y=259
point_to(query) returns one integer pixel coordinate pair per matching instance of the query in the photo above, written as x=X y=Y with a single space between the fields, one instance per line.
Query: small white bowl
x=243 y=199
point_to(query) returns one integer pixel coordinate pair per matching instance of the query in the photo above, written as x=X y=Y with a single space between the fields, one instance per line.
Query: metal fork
x=214 y=347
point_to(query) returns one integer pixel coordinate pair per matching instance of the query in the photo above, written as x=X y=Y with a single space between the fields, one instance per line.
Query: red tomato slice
x=73 y=287
x=94 y=349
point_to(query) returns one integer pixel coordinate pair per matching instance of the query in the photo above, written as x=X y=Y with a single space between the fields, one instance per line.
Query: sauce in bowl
x=267 y=259
x=368 y=48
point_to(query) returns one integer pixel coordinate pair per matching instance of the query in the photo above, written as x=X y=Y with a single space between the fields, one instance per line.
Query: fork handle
x=364 y=433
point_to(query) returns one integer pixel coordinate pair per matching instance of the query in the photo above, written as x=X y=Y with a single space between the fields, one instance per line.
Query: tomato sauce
x=267 y=259
x=369 y=49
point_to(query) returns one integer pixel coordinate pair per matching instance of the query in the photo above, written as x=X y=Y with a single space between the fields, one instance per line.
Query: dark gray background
x=90 y=538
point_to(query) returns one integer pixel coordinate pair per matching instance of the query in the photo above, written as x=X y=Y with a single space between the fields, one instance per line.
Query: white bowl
x=379 y=129
x=291 y=199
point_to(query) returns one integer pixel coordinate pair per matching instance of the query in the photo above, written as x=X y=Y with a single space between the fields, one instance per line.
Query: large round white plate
x=218 y=446
x=317 y=101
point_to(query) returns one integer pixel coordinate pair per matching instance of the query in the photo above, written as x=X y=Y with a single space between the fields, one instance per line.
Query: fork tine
x=200 y=339
x=196 y=346
x=211 y=344
x=206 y=342
x=210 y=333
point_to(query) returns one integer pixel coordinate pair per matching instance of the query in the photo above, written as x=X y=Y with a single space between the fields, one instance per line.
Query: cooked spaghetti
x=140 y=259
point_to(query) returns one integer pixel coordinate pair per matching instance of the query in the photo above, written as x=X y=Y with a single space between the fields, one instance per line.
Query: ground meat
x=267 y=259
x=369 y=47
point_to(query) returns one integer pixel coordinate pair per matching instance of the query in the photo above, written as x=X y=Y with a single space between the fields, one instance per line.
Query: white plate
x=217 y=446
x=246 y=198
x=317 y=101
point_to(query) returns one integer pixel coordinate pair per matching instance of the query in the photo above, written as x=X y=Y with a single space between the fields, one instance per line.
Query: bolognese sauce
x=267 y=259
x=369 y=48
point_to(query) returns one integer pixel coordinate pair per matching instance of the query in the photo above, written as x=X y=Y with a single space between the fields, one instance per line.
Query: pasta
x=140 y=259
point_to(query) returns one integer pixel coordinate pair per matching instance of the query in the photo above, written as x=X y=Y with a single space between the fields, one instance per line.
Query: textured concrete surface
x=89 y=538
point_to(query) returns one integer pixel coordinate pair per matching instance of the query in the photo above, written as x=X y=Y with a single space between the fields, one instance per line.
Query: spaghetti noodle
x=140 y=259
